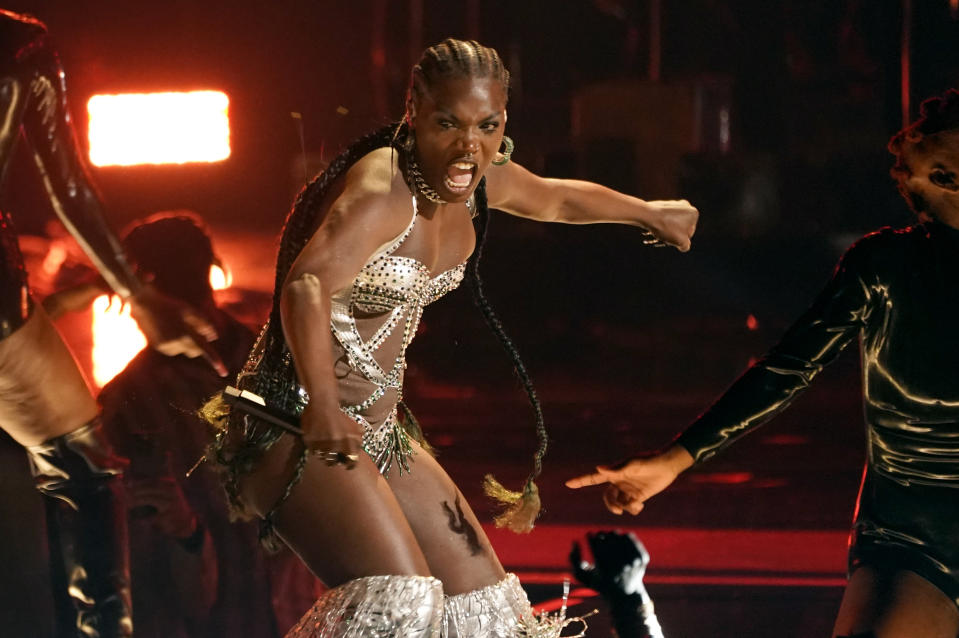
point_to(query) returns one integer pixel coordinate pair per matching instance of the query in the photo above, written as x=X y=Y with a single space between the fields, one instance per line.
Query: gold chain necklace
x=420 y=187
x=419 y=182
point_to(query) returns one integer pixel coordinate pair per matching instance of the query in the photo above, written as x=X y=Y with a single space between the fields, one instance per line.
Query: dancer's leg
x=86 y=518
x=482 y=600
x=42 y=393
x=349 y=530
x=343 y=523
x=895 y=604
x=46 y=406
x=455 y=545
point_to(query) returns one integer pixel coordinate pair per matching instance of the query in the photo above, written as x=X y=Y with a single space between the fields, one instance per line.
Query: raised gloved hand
x=617 y=574
x=619 y=568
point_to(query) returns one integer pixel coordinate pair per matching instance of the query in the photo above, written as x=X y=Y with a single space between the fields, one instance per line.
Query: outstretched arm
x=517 y=191
x=33 y=98
x=39 y=100
x=767 y=388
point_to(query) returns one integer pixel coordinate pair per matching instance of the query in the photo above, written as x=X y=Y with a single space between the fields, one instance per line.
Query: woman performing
x=898 y=292
x=386 y=230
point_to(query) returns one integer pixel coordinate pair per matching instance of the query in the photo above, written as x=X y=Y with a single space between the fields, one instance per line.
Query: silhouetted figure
x=195 y=573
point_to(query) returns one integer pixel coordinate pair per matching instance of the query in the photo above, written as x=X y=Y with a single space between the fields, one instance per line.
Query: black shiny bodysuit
x=33 y=100
x=898 y=291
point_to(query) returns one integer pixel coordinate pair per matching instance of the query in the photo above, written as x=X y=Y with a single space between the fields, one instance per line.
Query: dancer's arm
x=49 y=132
x=33 y=100
x=363 y=218
x=767 y=388
x=515 y=190
x=34 y=95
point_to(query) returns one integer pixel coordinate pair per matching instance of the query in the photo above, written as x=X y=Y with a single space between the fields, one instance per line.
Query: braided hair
x=453 y=58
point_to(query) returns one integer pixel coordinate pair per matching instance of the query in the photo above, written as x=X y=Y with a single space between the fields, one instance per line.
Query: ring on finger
x=336 y=458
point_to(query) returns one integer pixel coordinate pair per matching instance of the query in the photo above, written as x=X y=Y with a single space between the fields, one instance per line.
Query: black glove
x=617 y=575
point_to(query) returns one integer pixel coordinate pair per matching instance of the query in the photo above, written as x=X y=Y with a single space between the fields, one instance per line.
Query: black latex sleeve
x=771 y=384
x=33 y=99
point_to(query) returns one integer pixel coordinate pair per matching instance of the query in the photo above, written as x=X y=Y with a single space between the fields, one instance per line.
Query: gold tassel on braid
x=215 y=411
x=520 y=509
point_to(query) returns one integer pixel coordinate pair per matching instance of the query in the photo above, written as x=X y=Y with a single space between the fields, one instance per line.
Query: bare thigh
x=42 y=392
x=894 y=605
x=457 y=549
x=343 y=524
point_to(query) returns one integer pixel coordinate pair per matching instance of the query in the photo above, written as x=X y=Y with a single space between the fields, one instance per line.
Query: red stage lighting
x=159 y=128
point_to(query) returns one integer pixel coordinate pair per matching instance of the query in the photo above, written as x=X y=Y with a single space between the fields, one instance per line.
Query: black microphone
x=255 y=405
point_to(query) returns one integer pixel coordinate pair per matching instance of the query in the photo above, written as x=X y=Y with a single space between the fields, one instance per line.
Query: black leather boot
x=81 y=476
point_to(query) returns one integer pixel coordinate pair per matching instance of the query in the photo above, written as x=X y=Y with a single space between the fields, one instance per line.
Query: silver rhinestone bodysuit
x=387 y=296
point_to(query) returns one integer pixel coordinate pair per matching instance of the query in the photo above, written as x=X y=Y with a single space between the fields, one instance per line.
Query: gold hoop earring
x=507 y=152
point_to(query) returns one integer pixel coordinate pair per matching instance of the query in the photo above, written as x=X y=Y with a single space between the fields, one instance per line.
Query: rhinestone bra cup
x=399 y=287
x=391 y=282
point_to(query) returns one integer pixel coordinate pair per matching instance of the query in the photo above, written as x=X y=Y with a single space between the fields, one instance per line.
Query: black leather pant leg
x=81 y=476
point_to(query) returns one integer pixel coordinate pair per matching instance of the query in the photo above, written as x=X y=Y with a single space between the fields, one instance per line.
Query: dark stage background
x=770 y=116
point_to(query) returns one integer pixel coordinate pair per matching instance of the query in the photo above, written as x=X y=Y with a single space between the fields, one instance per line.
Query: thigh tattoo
x=459 y=525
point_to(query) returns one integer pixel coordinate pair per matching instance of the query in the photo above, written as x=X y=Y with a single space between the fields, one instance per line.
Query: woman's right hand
x=331 y=435
x=630 y=483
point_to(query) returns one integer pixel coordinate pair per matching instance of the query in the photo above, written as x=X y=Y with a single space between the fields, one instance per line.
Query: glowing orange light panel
x=159 y=128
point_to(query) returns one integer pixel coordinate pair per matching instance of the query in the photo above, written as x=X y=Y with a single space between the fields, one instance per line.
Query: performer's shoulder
x=887 y=237
x=883 y=246
x=374 y=173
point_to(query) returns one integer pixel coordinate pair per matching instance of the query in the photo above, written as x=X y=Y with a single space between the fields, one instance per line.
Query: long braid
x=523 y=507
x=479 y=297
